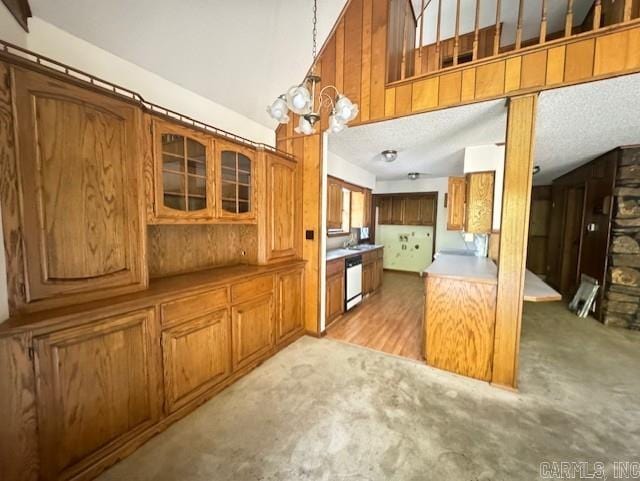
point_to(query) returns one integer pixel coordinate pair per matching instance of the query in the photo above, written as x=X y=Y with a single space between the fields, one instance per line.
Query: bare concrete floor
x=325 y=410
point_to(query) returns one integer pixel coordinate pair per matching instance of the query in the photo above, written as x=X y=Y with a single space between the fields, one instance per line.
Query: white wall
x=481 y=158
x=444 y=239
x=345 y=170
x=10 y=31
x=50 y=41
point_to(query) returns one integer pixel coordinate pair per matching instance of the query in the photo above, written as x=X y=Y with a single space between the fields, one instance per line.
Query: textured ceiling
x=532 y=9
x=240 y=54
x=432 y=143
x=577 y=124
x=574 y=125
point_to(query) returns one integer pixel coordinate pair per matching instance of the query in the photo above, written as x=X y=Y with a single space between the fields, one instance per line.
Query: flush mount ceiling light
x=389 y=155
x=301 y=100
x=413 y=175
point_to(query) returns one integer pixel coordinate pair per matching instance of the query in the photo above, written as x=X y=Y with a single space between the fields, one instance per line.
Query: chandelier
x=300 y=99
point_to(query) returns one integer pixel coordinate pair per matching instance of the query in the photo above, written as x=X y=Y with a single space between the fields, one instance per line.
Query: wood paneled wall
x=539 y=221
x=176 y=249
x=354 y=59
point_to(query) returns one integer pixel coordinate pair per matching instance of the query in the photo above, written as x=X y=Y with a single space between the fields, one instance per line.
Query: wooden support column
x=518 y=173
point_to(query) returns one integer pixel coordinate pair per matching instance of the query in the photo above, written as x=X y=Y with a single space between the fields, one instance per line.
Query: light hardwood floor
x=389 y=320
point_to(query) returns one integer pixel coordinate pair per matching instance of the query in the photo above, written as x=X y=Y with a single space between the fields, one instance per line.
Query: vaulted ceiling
x=240 y=54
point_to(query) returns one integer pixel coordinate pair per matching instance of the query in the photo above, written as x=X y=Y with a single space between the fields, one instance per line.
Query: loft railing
x=427 y=36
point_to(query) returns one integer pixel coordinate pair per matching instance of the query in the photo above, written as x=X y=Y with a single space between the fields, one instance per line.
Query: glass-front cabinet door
x=184 y=173
x=236 y=181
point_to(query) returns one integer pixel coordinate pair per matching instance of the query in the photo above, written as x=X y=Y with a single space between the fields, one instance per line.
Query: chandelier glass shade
x=301 y=100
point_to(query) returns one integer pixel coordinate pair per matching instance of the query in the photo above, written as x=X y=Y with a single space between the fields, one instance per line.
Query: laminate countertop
x=464 y=268
x=334 y=254
x=484 y=270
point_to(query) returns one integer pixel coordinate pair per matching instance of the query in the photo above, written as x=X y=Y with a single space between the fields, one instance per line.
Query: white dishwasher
x=353 y=284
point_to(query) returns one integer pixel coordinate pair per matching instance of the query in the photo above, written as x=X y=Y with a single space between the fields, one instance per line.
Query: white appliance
x=353 y=284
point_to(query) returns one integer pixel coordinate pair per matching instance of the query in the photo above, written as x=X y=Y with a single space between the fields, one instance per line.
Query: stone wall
x=622 y=292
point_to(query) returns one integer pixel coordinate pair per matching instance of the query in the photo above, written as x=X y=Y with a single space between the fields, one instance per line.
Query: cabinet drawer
x=335 y=267
x=192 y=306
x=380 y=253
x=252 y=288
x=369 y=257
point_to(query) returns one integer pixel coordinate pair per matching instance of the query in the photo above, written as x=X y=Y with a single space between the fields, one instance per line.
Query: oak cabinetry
x=252 y=329
x=97 y=387
x=357 y=209
x=290 y=320
x=470 y=203
x=397 y=210
x=334 y=204
x=81 y=221
x=335 y=290
x=184 y=173
x=235 y=181
x=456 y=203
x=412 y=211
x=407 y=209
x=196 y=357
x=367 y=208
x=384 y=210
x=479 y=208
x=282 y=221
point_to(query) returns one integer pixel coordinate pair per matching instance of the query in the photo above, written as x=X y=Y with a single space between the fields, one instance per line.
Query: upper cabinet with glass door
x=236 y=181
x=184 y=174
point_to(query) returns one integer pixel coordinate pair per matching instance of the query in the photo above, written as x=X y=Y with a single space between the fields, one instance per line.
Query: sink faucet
x=349 y=242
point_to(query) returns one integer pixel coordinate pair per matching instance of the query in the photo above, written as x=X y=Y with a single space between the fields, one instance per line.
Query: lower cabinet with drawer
x=93 y=384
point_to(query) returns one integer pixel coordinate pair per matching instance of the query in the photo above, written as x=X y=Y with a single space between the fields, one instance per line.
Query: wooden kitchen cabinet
x=357 y=209
x=97 y=387
x=428 y=208
x=280 y=233
x=184 y=173
x=334 y=203
x=470 y=204
x=78 y=171
x=290 y=316
x=252 y=329
x=479 y=206
x=236 y=182
x=335 y=290
x=197 y=356
x=456 y=203
x=397 y=210
x=367 y=208
x=412 y=211
x=409 y=209
x=384 y=210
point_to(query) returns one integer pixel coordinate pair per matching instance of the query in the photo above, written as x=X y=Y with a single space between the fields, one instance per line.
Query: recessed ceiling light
x=389 y=155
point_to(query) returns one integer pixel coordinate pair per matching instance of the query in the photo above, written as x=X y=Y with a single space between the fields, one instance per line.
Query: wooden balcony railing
x=426 y=36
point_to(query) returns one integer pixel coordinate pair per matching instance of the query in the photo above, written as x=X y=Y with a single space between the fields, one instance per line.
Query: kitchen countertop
x=334 y=254
x=483 y=269
x=464 y=268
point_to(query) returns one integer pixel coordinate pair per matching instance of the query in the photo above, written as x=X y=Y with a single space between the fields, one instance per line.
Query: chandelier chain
x=315 y=28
